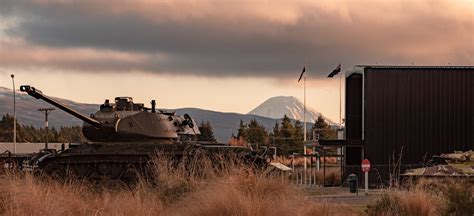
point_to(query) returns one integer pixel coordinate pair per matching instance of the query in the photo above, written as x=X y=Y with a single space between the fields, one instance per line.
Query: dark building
x=406 y=112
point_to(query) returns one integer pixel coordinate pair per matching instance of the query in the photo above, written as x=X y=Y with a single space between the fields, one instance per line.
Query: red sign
x=365 y=165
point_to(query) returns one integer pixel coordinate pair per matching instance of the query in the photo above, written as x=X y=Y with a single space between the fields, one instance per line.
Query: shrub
x=428 y=197
x=460 y=198
x=406 y=203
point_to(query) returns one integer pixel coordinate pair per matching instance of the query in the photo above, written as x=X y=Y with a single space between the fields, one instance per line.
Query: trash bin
x=352 y=179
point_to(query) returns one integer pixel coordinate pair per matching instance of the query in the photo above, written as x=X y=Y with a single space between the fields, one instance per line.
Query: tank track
x=123 y=167
x=126 y=167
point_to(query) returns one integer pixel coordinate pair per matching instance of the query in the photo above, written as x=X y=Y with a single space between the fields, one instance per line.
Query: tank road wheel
x=104 y=168
x=116 y=185
x=56 y=172
x=130 y=174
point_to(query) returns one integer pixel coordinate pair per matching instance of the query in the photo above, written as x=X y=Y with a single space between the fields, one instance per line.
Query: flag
x=302 y=72
x=335 y=71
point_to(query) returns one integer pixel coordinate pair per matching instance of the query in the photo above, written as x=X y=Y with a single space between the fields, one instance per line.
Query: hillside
x=224 y=124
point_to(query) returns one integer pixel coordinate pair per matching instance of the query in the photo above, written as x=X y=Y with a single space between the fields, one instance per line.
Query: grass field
x=190 y=188
x=197 y=188
x=427 y=197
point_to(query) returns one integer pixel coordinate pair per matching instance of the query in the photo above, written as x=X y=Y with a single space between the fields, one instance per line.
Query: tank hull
x=127 y=161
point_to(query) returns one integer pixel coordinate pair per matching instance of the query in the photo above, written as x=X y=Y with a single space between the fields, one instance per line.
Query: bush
x=460 y=199
x=406 y=203
x=428 y=197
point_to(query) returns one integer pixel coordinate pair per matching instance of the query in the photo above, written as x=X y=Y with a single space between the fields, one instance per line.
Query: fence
x=28 y=147
x=380 y=175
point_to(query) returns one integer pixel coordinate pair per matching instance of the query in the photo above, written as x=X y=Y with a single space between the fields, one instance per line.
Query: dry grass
x=25 y=195
x=252 y=195
x=407 y=203
x=194 y=187
x=427 y=197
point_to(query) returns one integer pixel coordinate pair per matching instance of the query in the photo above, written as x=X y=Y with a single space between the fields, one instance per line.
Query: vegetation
x=188 y=188
x=429 y=197
x=256 y=133
x=32 y=134
x=322 y=130
x=287 y=134
x=207 y=134
x=252 y=133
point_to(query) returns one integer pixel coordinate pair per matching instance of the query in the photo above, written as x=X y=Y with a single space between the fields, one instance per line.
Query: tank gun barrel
x=36 y=93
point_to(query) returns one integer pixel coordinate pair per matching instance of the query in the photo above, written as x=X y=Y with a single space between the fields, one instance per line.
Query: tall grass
x=427 y=197
x=25 y=195
x=195 y=186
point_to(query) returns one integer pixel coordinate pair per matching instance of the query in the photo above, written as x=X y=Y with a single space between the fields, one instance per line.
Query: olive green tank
x=123 y=135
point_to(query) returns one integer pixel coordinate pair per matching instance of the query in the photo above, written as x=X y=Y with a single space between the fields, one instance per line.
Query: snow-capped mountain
x=277 y=107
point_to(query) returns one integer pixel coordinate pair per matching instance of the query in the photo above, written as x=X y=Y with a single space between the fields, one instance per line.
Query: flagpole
x=340 y=100
x=304 y=121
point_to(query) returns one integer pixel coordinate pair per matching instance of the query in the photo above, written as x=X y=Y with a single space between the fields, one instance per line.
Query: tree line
x=286 y=134
x=31 y=134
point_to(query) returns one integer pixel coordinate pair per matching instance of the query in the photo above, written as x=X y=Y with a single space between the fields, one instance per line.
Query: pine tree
x=287 y=129
x=242 y=132
x=256 y=133
x=6 y=129
x=283 y=134
x=206 y=132
x=276 y=130
x=32 y=134
x=276 y=133
x=298 y=134
x=324 y=130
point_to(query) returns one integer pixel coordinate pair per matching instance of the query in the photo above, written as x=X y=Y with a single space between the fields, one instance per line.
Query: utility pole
x=14 y=113
x=46 y=110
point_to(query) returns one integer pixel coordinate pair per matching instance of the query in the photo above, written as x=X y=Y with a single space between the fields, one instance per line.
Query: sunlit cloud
x=233 y=38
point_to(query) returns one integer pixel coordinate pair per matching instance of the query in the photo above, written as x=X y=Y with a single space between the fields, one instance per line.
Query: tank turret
x=125 y=120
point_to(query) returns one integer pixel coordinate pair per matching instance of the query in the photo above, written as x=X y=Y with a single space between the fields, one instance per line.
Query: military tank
x=123 y=137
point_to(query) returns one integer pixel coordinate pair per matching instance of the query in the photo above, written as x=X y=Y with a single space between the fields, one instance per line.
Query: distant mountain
x=277 y=107
x=28 y=114
x=224 y=124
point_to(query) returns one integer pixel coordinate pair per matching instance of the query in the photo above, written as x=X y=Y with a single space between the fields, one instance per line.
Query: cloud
x=236 y=38
x=16 y=53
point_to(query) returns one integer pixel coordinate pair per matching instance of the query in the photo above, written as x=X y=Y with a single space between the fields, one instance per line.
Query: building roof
x=413 y=67
x=359 y=69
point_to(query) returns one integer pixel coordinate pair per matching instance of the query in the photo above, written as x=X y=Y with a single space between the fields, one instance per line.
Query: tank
x=125 y=121
x=123 y=135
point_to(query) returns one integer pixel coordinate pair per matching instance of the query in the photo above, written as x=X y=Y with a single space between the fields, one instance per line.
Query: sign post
x=366 y=168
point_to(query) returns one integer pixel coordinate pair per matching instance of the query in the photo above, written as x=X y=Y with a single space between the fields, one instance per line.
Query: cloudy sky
x=221 y=55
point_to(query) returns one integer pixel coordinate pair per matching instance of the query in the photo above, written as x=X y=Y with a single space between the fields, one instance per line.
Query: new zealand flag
x=335 y=71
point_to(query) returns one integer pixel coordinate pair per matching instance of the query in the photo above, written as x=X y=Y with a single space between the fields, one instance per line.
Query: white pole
x=14 y=114
x=366 y=183
x=304 y=122
x=317 y=163
x=340 y=100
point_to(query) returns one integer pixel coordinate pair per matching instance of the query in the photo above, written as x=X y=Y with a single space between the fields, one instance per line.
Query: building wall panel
x=353 y=117
x=418 y=112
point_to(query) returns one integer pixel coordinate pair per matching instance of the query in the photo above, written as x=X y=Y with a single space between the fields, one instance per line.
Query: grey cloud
x=245 y=46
